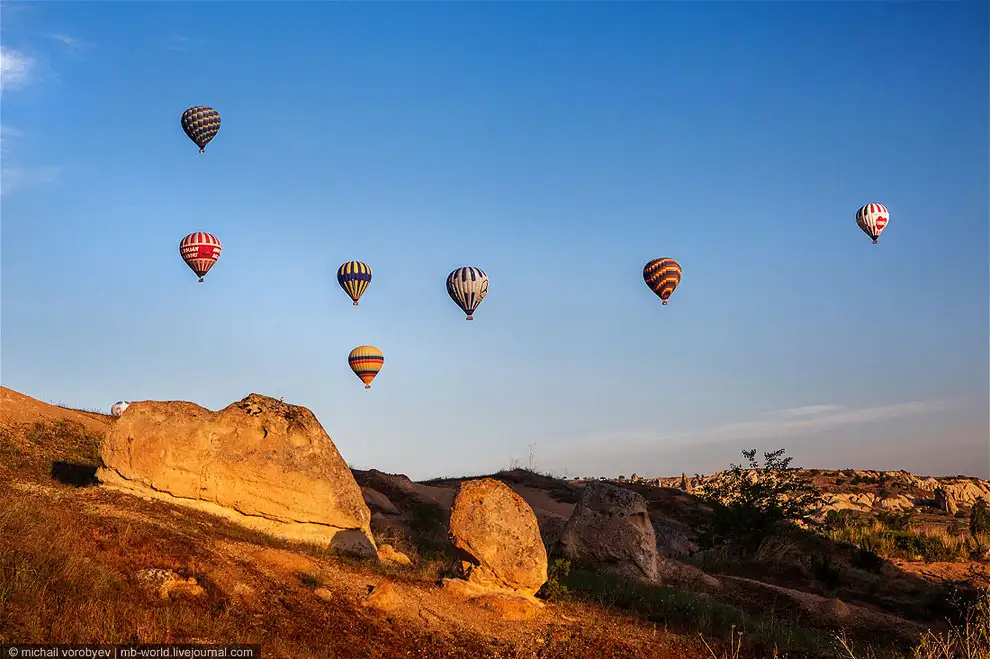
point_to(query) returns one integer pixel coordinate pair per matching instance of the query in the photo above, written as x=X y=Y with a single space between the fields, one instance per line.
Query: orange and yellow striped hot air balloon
x=366 y=361
x=662 y=276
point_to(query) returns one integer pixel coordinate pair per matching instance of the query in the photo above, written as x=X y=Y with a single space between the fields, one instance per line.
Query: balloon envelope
x=872 y=218
x=201 y=124
x=366 y=362
x=662 y=276
x=467 y=286
x=200 y=251
x=354 y=277
x=118 y=408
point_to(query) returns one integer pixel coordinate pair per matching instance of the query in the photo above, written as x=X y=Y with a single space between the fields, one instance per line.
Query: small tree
x=750 y=504
x=979 y=517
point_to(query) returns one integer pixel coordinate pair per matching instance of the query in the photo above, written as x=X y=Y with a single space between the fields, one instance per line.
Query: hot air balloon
x=467 y=286
x=200 y=250
x=201 y=124
x=118 y=408
x=354 y=277
x=366 y=361
x=872 y=218
x=662 y=276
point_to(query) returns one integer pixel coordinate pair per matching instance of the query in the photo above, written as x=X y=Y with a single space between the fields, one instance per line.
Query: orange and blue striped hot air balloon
x=366 y=361
x=662 y=276
x=354 y=277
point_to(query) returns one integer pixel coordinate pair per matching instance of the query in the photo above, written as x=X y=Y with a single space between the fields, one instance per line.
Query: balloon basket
x=874 y=241
x=355 y=303
x=664 y=302
x=202 y=150
x=201 y=280
x=469 y=318
x=367 y=386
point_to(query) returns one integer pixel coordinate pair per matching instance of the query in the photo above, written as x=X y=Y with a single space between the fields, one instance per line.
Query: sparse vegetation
x=69 y=572
x=968 y=639
x=898 y=521
x=31 y=450
x=750 y=504
x=892 y=535
x=694 y=613
x=860 y=479
x=555 y=587
x=979 y=518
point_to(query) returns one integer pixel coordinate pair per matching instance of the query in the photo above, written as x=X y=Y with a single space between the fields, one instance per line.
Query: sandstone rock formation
x=610 y=529
x=498 y=535
x=846 y=489
x=389 y=554
x=944 y=501
x=378 y=502
x=259 y=462
x=382 y=597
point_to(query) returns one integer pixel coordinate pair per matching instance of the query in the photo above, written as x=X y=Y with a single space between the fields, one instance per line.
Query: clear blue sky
x=557 y=146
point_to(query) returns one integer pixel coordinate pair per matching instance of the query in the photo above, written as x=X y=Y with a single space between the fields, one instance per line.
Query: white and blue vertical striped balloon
x=467 y=286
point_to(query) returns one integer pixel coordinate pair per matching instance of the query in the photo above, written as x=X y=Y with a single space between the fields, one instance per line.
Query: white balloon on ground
x=118 y=408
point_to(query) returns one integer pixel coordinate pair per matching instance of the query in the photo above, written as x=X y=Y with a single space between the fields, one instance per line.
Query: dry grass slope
x=72 y=558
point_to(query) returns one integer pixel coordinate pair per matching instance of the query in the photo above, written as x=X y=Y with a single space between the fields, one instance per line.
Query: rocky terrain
x=866 y=490
x=174 y=523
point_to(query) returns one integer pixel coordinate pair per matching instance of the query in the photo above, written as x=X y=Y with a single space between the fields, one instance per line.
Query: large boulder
x=499 y=538
x=610 y=530
x=260 y=462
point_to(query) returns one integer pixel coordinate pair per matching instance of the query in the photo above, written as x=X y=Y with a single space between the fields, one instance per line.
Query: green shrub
x=898 y=521
x=825 y=570
x=555 y=587
x=979 y=518
x=751 y=504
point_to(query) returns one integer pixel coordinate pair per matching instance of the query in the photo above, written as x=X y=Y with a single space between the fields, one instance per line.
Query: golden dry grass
x=968 y=639
x=69 y=559
x=927 y=542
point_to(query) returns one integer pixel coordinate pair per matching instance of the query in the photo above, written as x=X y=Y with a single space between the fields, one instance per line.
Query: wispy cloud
x=18 y=178
x=67 y=40
x=787 y=423
x=16 y=68
x=6 y=134
x=807 y=410
x=177 y=42
x=806 y=420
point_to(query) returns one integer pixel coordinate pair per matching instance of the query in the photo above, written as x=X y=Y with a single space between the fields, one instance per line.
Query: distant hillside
x=865 y=490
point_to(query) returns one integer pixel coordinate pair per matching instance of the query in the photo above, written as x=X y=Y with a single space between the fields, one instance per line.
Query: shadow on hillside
x=799 y=560
x=76 y=475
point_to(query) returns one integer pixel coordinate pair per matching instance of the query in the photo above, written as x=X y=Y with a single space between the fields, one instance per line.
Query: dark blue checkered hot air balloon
x=201 y=125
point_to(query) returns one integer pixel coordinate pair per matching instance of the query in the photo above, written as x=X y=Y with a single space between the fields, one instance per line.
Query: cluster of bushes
x=894 y=535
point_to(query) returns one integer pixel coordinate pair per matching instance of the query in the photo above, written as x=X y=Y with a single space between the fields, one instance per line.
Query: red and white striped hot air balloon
x=872 y=218
x=200 y=250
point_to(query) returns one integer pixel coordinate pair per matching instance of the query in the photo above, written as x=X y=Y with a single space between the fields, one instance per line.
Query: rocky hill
x=175 y=523
x=866 y=490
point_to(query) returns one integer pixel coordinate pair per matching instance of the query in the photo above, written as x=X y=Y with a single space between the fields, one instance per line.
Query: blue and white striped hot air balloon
x=467 y=286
